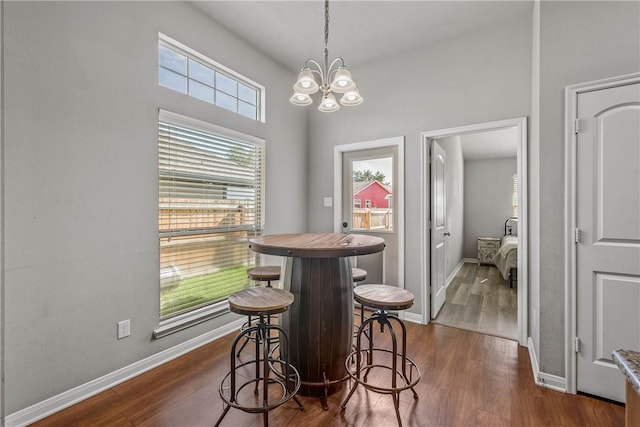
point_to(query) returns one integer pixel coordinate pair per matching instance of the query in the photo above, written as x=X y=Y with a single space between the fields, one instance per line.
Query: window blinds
x=211 y=183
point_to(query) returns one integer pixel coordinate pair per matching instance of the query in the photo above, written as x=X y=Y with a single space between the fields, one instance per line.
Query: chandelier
x=330 y=79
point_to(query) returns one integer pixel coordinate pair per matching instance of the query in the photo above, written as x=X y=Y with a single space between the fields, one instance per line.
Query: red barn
x=371 y=194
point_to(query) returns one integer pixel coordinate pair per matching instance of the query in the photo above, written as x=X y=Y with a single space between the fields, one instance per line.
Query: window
x=186 y=71
x=372 y=183
x=514 y=197
x=210 y=202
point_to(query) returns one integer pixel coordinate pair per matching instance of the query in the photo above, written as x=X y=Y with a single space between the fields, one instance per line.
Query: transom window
x=187 y=71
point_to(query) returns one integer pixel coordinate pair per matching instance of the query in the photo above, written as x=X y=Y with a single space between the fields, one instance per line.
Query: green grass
x=196 y=290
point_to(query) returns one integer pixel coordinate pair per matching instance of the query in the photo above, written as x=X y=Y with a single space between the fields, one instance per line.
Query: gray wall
x=579 y=42
x=481 y=77
x=488 y=186
x=454 y=178
x=81 y=110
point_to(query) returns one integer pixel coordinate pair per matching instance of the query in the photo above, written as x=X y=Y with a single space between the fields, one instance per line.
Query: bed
x=506 y=259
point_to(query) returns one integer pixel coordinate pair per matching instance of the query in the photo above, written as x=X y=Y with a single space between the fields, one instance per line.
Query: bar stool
x=383 y=298
x=267 y=274
x=261 y=302
x=358 y=275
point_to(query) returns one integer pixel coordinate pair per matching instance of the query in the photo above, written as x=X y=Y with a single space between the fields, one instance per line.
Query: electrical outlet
x=124 y=329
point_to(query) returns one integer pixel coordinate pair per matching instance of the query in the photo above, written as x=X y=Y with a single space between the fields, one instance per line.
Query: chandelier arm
x=333 y=68
x=319 y=71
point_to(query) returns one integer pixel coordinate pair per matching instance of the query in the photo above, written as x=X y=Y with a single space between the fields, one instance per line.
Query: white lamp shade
x=342 y=81
x=300 y=99
x=351 y=98
x=306 y=83
x=329 y=104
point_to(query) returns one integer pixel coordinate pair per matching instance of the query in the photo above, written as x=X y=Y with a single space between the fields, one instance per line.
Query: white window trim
x=186 y=320
x=239 y=77
x=183 y=321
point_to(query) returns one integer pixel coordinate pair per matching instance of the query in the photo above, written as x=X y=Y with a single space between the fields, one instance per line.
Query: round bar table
x=320 y=321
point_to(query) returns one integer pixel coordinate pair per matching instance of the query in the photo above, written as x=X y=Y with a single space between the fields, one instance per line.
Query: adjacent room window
x=514 y=197
x=187 y=71
x=211 y=198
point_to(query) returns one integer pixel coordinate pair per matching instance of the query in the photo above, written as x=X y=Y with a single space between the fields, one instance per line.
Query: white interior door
x=608 y=219
x=438 y=228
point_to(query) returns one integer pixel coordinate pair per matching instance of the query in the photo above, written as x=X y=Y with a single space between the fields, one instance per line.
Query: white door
x=438 y=228
x=370 y=206
x=608 y=217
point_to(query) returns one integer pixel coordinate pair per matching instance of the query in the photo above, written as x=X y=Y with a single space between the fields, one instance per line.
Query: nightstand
x=487 y=249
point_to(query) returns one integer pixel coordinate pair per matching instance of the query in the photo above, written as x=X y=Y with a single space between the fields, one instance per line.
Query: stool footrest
x=287 y=392
x=407 y=380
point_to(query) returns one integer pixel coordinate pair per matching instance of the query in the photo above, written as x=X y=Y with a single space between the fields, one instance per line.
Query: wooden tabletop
x=316 y=245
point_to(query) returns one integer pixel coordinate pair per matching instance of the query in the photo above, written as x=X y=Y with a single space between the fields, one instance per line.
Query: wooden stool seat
x=358 y=274
x=259 y=300
x=383 y=297
x=264 y=273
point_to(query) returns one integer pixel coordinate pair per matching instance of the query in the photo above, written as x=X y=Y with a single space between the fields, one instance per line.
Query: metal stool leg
x=399 y=380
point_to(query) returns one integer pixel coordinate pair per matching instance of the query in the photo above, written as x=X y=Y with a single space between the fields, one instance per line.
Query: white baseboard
x=64 y=400
x=412 y=317
x=454 y=272
x=542 y=379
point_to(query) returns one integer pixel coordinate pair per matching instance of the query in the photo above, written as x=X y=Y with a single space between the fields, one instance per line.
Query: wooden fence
x=372 y=219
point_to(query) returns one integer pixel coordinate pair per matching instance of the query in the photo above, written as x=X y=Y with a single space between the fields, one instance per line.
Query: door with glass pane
x=370 y=206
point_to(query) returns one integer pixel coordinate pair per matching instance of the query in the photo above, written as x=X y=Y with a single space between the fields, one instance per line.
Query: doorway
x=519 y=128
x=369 y=199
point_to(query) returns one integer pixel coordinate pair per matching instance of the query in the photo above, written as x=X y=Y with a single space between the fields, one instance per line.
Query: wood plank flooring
x=480 y=300
x=468 y=379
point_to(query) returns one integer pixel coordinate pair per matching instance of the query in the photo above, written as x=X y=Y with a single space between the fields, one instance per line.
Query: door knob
x=447 y=234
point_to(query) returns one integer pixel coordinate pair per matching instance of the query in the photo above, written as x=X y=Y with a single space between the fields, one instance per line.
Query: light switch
x=328 y=202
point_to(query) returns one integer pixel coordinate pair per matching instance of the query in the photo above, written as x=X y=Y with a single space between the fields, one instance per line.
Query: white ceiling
x=363 y=31
x=494 y=144
x=359 y=31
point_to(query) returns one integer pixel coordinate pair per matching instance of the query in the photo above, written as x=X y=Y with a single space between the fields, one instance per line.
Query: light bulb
x=328 y=103
x=306 y=83
x=342 y=81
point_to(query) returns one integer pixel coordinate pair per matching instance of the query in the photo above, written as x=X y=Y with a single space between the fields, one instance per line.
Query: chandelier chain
x=326 y=24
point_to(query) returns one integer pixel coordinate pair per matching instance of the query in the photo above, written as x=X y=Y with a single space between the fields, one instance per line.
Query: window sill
x=187 y=320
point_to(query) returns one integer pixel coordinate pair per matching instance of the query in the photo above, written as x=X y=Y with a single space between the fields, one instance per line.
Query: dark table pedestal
x=320 y=322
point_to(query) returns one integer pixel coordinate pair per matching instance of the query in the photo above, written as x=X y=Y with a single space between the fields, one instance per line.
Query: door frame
x=398 y=219
x=523 y=223
x=571 y=212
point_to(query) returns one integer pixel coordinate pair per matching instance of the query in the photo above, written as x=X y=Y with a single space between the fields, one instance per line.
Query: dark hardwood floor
x=468 y=379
